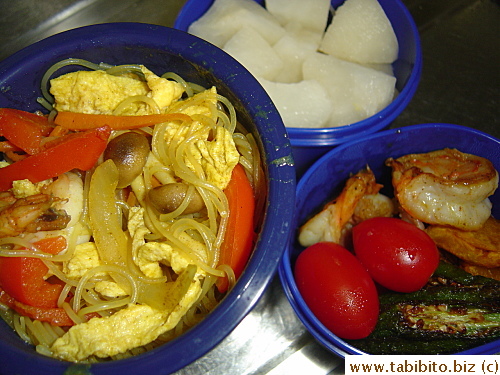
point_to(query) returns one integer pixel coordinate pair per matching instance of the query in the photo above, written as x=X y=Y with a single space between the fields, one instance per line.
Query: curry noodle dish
x=126 y=213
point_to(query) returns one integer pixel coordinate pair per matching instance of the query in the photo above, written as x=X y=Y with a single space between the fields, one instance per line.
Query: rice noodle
x=134 y=99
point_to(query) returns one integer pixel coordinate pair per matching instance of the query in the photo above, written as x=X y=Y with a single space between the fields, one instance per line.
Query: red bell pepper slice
x=23 y=277
x=240 y=235
x=24 y=129
x=6 y=146
x=54 y=315
x=76 y=150
x=23 y=289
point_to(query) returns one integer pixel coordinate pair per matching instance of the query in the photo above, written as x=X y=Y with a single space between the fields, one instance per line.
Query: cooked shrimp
x=68 y=188
x=31 y=214
x=337 y=217
x=373 y=205
x=445 y=187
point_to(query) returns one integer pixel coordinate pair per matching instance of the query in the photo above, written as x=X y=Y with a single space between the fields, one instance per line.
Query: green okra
x=455 y=311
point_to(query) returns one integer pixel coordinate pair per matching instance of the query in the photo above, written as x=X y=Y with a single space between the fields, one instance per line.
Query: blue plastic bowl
x=326 y=178
x=163 y=49
x=309 y=144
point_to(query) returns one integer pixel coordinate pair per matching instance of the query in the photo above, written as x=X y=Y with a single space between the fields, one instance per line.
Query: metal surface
x=460 y=85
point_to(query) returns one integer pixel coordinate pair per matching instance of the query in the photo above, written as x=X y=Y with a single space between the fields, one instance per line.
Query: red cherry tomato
x=338 y=290
x=397 y=254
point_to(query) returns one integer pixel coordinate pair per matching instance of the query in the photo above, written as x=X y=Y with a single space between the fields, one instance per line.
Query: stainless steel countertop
x=460 y=84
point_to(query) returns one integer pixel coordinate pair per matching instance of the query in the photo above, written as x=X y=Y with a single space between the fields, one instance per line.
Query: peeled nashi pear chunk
x=303 y=104
x=254 y=53
x=311 y=14
x=292 y=51
x=356 y=92
x=361 y=32
x=225 y=17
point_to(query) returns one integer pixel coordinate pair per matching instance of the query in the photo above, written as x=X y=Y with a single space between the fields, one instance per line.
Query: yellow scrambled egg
x=109 y=288
x=85 y=258
x=133 y=326
x=128 y=328
x=217 y=156
x=96 y=92
x=25 y=188
x=149 y=255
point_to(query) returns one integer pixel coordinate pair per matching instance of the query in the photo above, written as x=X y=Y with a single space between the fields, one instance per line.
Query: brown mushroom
x=167 y=198
x=129 y=151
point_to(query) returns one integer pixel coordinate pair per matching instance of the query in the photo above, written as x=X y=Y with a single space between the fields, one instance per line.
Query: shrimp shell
x=359 y=200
